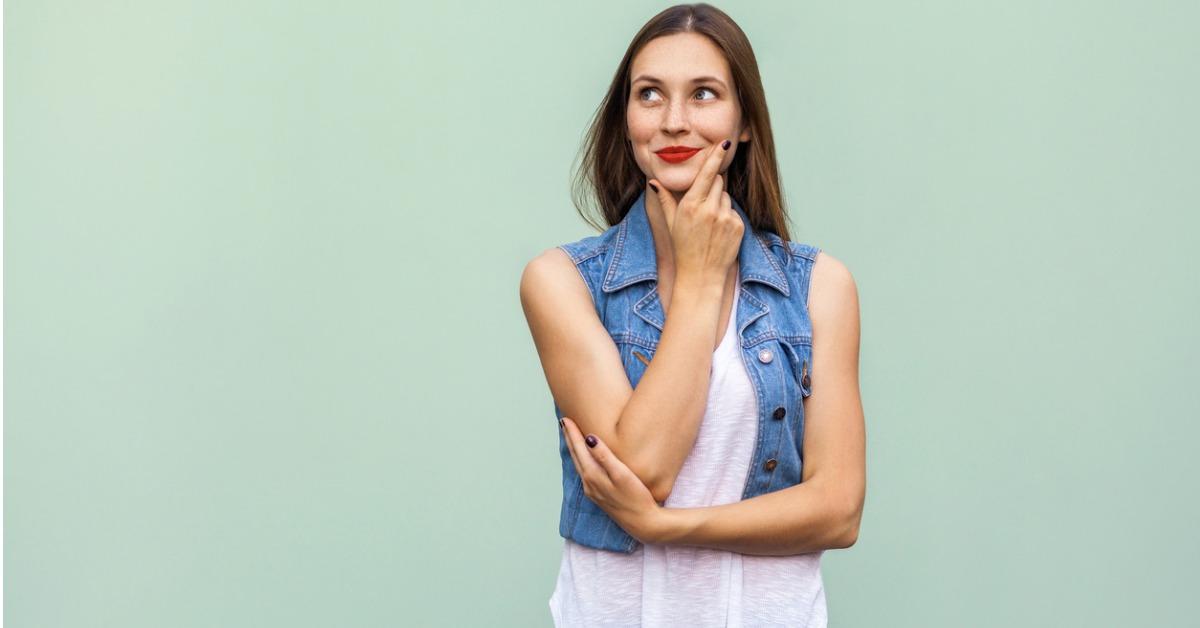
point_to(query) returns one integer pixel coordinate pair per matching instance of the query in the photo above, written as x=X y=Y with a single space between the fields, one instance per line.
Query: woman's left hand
x=613 y=486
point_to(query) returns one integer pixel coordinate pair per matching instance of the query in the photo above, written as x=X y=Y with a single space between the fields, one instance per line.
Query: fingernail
x=561 y=425
x=590 y=440
x=725 y=144
x=654 y=187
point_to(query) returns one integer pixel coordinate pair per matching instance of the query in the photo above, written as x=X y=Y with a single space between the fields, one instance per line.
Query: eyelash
x=641 y=92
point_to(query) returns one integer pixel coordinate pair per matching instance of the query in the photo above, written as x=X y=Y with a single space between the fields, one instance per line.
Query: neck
x=663 y=250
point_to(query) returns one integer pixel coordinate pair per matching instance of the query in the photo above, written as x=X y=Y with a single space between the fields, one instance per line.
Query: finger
x=716 y=190
x=591 y=469
x=608 y=460
x=708 y=171
x=665 y=200
x=571 y=448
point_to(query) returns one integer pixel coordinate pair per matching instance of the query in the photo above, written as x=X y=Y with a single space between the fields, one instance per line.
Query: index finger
x=708 y=171
x=582 y=454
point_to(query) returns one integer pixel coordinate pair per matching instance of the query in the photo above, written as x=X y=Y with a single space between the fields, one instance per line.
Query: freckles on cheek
x=640 y=128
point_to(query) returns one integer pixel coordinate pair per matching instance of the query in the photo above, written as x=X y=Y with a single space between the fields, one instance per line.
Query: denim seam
x=774 y=264
x=783 y=381
x=751 y=486
x=579 y=262
x=633 y=339
x=801 y=250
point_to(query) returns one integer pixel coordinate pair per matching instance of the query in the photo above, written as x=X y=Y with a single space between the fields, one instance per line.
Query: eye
x=645 y=90
x=642 y=92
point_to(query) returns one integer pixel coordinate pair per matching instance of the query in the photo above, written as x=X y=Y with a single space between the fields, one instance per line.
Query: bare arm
x=653 y=428
x=825 y=509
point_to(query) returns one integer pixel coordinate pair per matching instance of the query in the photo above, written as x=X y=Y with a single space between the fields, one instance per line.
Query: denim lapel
x=634 y=260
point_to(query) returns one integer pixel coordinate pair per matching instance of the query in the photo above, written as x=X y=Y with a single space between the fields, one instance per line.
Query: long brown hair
x=608 y=172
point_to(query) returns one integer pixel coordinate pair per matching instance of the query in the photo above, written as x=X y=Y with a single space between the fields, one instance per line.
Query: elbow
x=660 y=490
x=659 y=484
x=657 y=480
x=848 y=530
x=848 y=538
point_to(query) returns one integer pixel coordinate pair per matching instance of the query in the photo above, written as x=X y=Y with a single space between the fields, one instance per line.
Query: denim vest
x=773 y=326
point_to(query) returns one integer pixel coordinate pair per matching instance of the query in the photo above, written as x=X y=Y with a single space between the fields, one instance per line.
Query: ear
x=744 y=136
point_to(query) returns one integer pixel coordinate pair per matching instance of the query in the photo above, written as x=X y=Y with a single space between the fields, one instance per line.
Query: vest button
x=765 y=356
x=780 y=412
x=770 y=465
x=806 y=381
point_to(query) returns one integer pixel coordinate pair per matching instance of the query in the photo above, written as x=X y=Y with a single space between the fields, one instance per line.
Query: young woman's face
x=681 y=95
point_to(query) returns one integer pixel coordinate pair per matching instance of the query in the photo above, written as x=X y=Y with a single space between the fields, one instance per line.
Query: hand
x=706 y=232
x=613 y=486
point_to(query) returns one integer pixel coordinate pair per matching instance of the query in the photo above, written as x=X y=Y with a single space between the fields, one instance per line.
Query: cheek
x=641 y=127
x=641 y=132
x=716 y=123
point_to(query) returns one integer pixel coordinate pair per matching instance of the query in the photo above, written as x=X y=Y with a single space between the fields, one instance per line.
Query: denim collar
x=634 y=258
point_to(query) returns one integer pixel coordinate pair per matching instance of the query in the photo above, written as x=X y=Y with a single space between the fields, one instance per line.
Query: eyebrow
x=699 y=79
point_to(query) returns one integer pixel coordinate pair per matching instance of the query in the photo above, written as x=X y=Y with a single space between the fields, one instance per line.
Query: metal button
x=770 y=464
x=765 y=356
x=804 y=374
x=779 y=413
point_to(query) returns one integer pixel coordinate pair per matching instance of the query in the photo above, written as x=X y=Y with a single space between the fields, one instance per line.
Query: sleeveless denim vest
x=773 y=326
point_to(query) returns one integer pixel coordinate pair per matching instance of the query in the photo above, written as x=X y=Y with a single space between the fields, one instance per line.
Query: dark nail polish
x=654 y=187
x=561 y=425
x=725 y=144
x=590 y=440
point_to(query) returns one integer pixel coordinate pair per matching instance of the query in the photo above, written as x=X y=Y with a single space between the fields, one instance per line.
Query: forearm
x=795 y=520
x=660 y=422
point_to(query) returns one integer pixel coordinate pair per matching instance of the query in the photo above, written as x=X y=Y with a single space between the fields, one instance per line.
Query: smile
x=676 y=154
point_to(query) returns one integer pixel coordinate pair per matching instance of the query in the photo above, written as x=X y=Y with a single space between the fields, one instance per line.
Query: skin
x=679 y=109
x=652 y=429
x=824 y=511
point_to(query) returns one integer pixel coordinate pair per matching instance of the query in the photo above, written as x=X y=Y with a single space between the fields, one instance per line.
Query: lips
x=676 y=154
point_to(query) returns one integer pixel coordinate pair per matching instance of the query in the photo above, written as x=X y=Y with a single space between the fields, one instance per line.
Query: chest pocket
x=799 y=350
x=636 y=353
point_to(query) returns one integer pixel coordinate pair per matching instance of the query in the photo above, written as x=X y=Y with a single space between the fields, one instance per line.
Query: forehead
x=679 y=56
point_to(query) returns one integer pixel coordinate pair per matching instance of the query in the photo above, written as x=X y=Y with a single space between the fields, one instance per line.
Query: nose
x=675 y=120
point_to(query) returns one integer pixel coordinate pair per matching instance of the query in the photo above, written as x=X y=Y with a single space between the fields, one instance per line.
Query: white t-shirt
x=674 y=585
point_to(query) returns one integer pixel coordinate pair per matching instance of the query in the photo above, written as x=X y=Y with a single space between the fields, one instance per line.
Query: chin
x=678 y=181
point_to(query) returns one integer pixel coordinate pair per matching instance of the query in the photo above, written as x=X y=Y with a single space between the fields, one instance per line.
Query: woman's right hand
x=706 y=232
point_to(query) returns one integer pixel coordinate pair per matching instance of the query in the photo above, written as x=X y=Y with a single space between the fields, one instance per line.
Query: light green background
x=266 y=364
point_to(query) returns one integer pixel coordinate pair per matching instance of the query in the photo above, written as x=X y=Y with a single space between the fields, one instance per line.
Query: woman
x=711 y=455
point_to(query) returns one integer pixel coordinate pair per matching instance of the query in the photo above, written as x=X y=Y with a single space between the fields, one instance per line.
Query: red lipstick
x=676 y=154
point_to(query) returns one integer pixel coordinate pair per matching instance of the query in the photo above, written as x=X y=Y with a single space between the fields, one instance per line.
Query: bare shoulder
x=555 y=295
x=551 y=272
x=549 y=259
x=832 y=294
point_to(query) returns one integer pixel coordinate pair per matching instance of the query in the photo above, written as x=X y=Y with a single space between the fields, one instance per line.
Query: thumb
x=665 y=200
